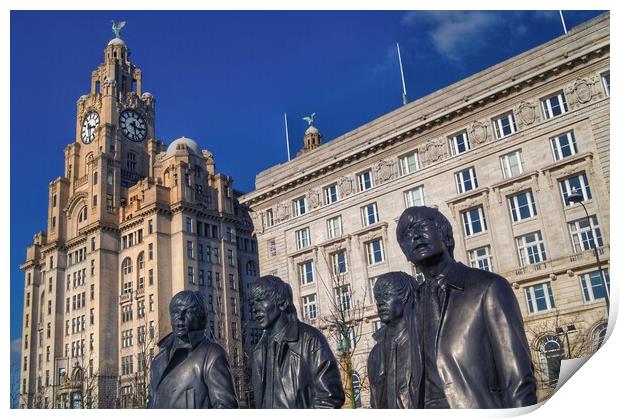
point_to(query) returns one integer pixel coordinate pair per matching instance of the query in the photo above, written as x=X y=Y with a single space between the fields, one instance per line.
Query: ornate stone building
x=130 y=223
x=498 y=153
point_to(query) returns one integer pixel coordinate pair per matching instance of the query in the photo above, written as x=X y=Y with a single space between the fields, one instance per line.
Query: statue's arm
x=328 y=391
x=219 y=380
x=509 y=345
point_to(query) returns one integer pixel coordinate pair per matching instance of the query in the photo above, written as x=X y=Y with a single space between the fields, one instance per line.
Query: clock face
x=89 y=125
x=133 y=125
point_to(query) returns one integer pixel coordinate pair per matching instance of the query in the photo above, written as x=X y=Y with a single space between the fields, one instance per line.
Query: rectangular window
x=216 y=255
x=299 y=206
x=231 y=281
x=592 y=286
x=474 y=221
x=269 y=220
x=150 y=227
x=459 y=143
x=564 y=145
x=334 y=227
x=190 y=274
x=188 y=224
x=606 y=82
x=308 y=304
x=305 y=273
x=409 y=163
x=190 y=249
x=504 y=125
x=539 y=297
x=554 y=105
x=522 y=206
x=303 y=237
x=512 y=164
x=585 y=234
x=343 y=298
x=234 y=330
x=331 y=194
x=481 y=258
x=230 y=257
x=233 y=305
x=339 y=262
x=531 y=249
x=414 y=197
x=374 y=251
x=466 y=180
x=370 y=214
x=150 y=251
x=571 y=185
x=271 y=247
x=364 y=181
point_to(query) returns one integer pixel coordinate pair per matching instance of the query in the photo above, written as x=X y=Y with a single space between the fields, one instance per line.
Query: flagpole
x=402 y=75
x=563 y=24
x=288 y=149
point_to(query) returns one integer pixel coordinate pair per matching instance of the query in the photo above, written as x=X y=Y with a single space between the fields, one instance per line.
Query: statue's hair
x=194 y=299
x=418 y=213
x=396 y=283
x=272 y=288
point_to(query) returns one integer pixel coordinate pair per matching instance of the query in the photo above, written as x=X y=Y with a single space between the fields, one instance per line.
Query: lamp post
x=577 y=197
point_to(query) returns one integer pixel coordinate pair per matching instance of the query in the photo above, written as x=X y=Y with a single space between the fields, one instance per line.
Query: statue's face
x=266 y=312
x=422 y=241
x=185 y=319
x=390 y=307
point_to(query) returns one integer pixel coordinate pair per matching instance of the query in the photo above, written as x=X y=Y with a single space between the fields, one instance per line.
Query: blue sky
x=225 y=79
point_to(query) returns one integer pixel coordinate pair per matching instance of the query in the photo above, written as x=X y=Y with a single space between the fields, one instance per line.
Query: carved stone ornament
x=434 y=151
x=345 y=185
x=314 y=198
x=581 y=91
x=384 y=170
x=283 y=211
x=257 y=221
x=478 y=133
x=526 y=112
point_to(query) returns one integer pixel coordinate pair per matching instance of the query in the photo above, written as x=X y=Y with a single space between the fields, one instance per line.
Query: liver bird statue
x=117 y=26
x=309 y=119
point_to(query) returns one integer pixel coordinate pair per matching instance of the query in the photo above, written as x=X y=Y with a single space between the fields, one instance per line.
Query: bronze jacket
x=201 y=381
x=483 y=355
x=309 y=371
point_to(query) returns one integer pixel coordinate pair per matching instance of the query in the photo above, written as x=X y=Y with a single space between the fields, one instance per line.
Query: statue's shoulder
x=482 y=277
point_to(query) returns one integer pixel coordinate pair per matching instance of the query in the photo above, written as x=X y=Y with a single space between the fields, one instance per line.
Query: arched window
x=551 y=353
x=140 y=262
x=126 y=266
x=598 y=336
x=356 y=384
x=83 y=214
x=250 y=268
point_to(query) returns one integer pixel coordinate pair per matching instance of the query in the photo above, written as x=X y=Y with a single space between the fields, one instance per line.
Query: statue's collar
x=449 y=276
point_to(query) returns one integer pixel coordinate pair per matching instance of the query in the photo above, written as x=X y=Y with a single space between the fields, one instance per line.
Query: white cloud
x=16 y=347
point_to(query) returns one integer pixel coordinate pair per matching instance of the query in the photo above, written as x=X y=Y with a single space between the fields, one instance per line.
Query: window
x=188 y=224
x=230 y=257
x=271 y=247
x=233 y=305
x=303 y=238
x=522 y=206
x=370 y=215
x=343 y=297
x=539 y=297
x=364 y=181
x=466 y=180
x=512 y=164
x=308 y=304
x=299 y=206
x=190 y=274
x=409 y=163
x=504 y=125
x=334 y=227
x=376 y=325
x=564 y=145
x=234 y=330
x=339 y=262
x=269 y=220
x=208 y=254
x=201 y=253
x=481 y=258
x=531 y=249
x=141 y=309
x=127 y=338
x=592 y=286
x=554 y=105
x=150 y=227
x=571 y=185
x=331 y=194
x=474 y=221
x=151 y=277
x=459 y=143
x=374 y=251
x=201 y=277
x=250 y=268
x=551 y=354
x=598 y=336
x=306 y=275
x=150 y=251
x=606 y=82
x=346 y=338
x=131 y=161
x=414 y=197
x=190 y=249
x=126 y=313
x=583 y=233
x=231 y=281
x=216 y=255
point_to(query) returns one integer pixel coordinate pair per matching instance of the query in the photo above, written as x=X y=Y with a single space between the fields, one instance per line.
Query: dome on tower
x=183 y=143
x=312 y=130
x=116 y=41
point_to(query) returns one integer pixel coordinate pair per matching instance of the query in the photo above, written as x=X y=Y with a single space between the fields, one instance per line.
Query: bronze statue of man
x=190 y=371
x=391 y=368
x=293 y=366
x=472 y=349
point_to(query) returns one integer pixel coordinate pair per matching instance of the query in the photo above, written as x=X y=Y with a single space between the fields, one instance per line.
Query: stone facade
x=130 y=223
x=494 y=153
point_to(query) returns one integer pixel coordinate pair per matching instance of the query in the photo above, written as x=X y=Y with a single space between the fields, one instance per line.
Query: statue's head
x=270 y=298
x=423 y=234
x=188 y=313
x=393 y=293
